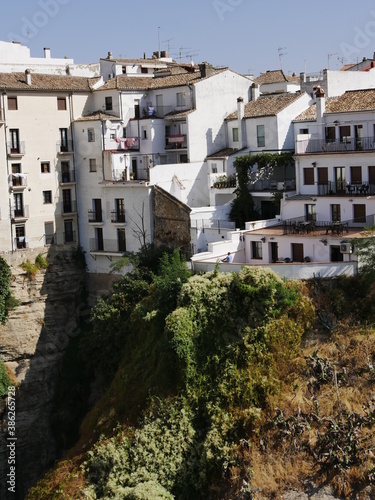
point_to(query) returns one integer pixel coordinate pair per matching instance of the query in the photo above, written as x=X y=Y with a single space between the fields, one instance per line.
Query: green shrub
x=5 y=381
x=5 y=294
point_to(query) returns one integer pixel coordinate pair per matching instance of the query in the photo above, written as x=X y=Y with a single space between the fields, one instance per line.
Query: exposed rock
x=32 y=344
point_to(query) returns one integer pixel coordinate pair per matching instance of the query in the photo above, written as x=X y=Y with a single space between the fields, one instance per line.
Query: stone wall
x=32 y=344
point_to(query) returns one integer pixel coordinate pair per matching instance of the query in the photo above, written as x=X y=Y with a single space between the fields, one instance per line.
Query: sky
x=247 y=36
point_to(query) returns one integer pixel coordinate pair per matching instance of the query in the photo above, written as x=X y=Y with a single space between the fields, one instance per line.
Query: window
x=235 y=134
x=108 y=104
x=61 y=103
x=99 y=242
x=18 y=205
x=330 y=134
x=91 y=135
x=180 y=99
x=68 y=231
x=144 y=70
x=124 y=70
x=124 y=132
x=64 y=140
x=144 y=132
x=214 y=168
x=261 y=139
x=308 y=176
x=310 y=211
x=256 y=247
x=356 y=175
x=21 y=236
x=112 y=137
x=47 y=197
x=120 y=209
x=14 y=140
x=49 y=233
x=121 y=239
x=65 y=172
x=322 y=175
x=12 y=103
x=359 y=213
x=345 y=133
x=92 y=163
x=45 y=167
x=336 y=213
x=303 y=130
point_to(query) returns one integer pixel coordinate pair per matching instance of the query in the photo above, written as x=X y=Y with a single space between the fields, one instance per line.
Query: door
x=20 y=236
x=297 y=252
x=97 y=207
x=120 y=209
x=18 y=204
x=274 y=251
x=121 y=240
x=99 y=239
x=49 y=233
x=68 y=231
x=67 y=201
x=336 y=255
x=340 y=180
x=159 y=105
x=65 y=171
x=371 y=178
x=358 y=134
x=14 y=140
x=64 y=139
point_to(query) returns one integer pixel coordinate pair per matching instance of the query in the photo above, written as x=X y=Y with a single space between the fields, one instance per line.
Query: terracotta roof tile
x=16 y=81
x=275 y=76
x=97 y=115
x=267 y=105
x=350 y=101
x=224 y=153
x=180 y=78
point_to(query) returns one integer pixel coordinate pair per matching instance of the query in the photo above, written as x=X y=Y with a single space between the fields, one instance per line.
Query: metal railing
x=69 y=207
x=64 y=146
x=106 y=246
x=95 y=215
x=20 y=213
x=67 y=176
x=175 y=141
x=16 y=148
x=306 y=225
x=50 y=239
x=21 y=242
x=335 y=146
x=18 y=181
x=341 y=188
x=118 y=216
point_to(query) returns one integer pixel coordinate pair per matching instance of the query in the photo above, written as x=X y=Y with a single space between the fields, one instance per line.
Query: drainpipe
x=7 y=163
x=71 y=112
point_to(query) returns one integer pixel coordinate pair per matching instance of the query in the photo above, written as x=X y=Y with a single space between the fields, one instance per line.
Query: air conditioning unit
x=346 y=248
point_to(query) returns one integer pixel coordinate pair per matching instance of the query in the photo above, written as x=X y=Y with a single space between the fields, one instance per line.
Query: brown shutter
x=322 y=175
x=308 y=176
x=356 y=175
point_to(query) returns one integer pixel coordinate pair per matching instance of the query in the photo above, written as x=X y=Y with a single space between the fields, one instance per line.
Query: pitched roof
x=350 y=101
x=97 y=115
x=177 y=78
x=275 y=76
x=267 y=105
x=224 y=153
x=16 y=81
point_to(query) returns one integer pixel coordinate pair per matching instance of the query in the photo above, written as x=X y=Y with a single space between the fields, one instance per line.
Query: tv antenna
x=330 y=55
x=281 y=54
x=180 y=51
x=168 y=44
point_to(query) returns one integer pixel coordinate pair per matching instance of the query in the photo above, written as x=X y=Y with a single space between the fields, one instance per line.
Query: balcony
x=342 y=188
x=176 y=141
x=339 y=145
x=118 y=216
x=67 y=177
x=50 y=239
x=69 y=207
x=20 y=243
x=19 y=213
x=107 y=246
x=64 y=147
x=122 y=144
x=16 y=149
x=95 y=215
x=18 y=182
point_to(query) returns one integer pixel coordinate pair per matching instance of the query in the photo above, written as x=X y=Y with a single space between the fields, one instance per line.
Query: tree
x=243 y=209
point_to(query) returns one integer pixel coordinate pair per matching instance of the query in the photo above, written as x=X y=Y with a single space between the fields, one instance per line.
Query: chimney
x=240 y=121
x=255 y=91
x=28 y=77
x=320 y=102
x=47 y=53
x=109 y=55
x=206 y=69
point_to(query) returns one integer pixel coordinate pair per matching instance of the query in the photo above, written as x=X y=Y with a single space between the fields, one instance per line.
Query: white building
x=334 y=200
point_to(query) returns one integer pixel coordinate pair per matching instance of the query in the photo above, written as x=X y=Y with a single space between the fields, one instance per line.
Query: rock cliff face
x=32 y=345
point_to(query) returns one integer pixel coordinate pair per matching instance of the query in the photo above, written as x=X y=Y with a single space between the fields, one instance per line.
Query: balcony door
x=14 y=140
x=340 y=180
x=67 y=200
x=64 y=139
x=297 y=252
x=120 y=209
x=68 y=231
x=20 y=236
x=18 y=204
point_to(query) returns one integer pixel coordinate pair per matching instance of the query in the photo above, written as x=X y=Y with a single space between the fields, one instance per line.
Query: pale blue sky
x=245 y=35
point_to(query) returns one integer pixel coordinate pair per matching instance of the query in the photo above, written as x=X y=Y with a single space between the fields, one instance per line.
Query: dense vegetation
x=225 y=386
x=6 y=303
